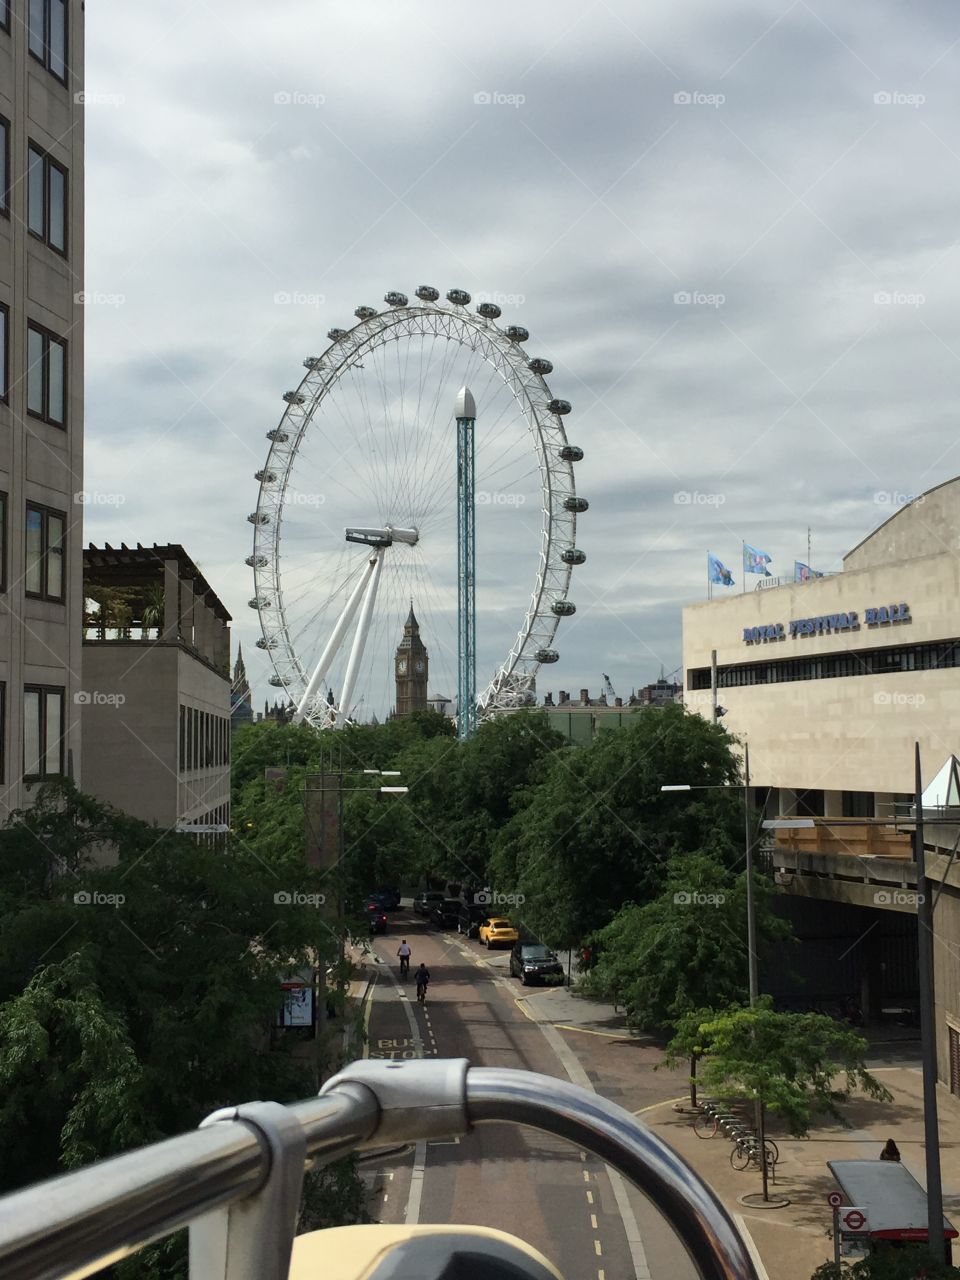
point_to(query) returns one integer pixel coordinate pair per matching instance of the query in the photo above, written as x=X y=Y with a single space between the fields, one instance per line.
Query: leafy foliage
x=890 y=1264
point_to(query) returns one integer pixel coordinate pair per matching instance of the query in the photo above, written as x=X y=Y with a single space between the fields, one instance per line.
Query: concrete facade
x=156 y=697
x=41 y=417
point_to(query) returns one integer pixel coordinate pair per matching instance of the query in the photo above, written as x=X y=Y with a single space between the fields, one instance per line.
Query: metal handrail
x=238 y=1178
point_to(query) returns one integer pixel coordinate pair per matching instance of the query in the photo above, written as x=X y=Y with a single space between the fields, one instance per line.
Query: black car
x=389 y=899
x=446 y=912
x=469 y=918
x=424 y=903
x=532 y=962
x=378 y=921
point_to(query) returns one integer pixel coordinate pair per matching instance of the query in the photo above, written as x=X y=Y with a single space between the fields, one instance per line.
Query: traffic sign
x=834 y=1199
x=853 y=1219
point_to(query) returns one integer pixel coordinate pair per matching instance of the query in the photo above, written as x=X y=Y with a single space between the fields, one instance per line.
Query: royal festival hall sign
x=881 y=616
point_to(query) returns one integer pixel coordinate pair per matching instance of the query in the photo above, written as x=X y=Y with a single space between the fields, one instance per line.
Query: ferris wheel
x=355 y=530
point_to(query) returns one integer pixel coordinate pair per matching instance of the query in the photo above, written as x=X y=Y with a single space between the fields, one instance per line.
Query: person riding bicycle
x=423 y=978
x=403 y=951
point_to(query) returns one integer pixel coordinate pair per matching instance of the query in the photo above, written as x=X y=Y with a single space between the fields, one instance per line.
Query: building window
x=4 y=352
x=858 y=804
x=47 y=34
x=43 y=578
x=42 y=732
x=5 y=15
x=181 y=758
x=46 y=199
x=935 y=656
x=4 y=164
x=46 y=376
x=3 y=542
x=3 y=732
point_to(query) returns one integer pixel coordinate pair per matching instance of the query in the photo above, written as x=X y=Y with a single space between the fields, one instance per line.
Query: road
x=562 y=1201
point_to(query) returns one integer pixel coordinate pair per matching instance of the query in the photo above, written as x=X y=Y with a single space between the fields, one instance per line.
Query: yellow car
x=497 y=931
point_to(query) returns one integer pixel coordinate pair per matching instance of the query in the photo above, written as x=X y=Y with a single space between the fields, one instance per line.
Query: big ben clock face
x=402 y=667
x=419 y=668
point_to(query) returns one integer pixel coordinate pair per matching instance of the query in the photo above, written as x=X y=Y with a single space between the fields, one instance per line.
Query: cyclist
x=403 y=951
x=423 y=978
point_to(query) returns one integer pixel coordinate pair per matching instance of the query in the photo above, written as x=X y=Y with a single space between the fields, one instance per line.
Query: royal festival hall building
x=831 y=682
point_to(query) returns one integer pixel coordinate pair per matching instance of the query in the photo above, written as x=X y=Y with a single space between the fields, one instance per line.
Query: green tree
x=686 y=949
x=890 y=1264
x=795 y=1064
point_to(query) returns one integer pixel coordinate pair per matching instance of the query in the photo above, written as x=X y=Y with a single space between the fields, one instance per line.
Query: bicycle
x=746 y=1152
x=421 y=993
x=713 y=1118
x=404 y=966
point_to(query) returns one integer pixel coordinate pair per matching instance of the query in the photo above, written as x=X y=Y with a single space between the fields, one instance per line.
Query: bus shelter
x=891 y=1200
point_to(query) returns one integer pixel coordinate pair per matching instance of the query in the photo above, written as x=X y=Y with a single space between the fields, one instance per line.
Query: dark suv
x=446 y=912
x=470 y=917
x=532 y=962
x=424 y=902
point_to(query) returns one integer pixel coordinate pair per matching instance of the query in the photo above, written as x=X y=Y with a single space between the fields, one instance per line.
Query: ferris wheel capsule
x=266 y=642
x=459 y=297
x=539 y=365
x=571 y=453
x=256 y=562
x=277 y=436
x=427 y=293
x=560 y=406
x=563 y=608
x=294 y=397
x=336 y=334
x=313 y=362
x=517 y=333
x=489 y=310
x=395 y=299
x=576 y=504
x=365 y=313
x=546 y=656
x=573 y=555
x=259 y=602
x=279 y=682
x=265 y=477
x=258 y=517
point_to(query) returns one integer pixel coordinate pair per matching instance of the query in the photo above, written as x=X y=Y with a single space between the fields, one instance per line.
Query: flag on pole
x=717 y=572
x=803 y=573
x=755 y=561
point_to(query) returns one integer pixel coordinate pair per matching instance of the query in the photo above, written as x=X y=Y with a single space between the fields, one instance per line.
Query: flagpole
x=809 y=561
x=743 y=567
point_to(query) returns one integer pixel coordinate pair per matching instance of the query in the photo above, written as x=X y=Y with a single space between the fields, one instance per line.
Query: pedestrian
x=890 y=1151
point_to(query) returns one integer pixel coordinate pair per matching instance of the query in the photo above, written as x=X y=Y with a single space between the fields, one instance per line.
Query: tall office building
x=41 y=392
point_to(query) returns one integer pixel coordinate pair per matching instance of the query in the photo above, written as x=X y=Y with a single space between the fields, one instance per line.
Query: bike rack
x=236 y=1180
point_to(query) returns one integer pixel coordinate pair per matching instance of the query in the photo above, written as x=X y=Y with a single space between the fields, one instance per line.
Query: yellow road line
x=653 y=1105
x=613 y=1035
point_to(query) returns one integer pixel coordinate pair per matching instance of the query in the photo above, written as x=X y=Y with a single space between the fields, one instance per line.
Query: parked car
x=389 y=897
x=446 y=912
x=532 y=962
x=497 y=931
x=378 y=921
x=469 y=920
x=424 y=902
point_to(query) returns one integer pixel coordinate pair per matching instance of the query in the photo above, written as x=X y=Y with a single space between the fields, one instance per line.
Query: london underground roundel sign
x=834 y=1199
x=853 y=1219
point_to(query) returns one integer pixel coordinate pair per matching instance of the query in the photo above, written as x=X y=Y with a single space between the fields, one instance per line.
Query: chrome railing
x=236 y=1181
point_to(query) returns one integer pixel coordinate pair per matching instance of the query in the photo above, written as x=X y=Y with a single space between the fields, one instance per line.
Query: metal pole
x=713 y=683
x=928 y=1044
x=751 y=905
x=466 y=412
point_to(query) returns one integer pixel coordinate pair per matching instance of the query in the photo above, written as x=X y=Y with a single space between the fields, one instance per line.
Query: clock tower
x=411 y=668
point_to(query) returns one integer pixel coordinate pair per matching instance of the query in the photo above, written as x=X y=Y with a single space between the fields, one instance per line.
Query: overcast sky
x=792 y=169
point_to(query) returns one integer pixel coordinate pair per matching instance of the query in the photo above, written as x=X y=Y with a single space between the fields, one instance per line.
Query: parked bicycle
x=714 y=1118
x=746 y=1152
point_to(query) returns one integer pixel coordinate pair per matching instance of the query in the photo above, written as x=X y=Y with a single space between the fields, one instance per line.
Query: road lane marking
x=751 y=1246
x=589 y=1197
x=597 y=1249
x=586 y=1176
x=611 y=1035
x=653 y=1105
x=412 y=1216
x=593 y=1221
